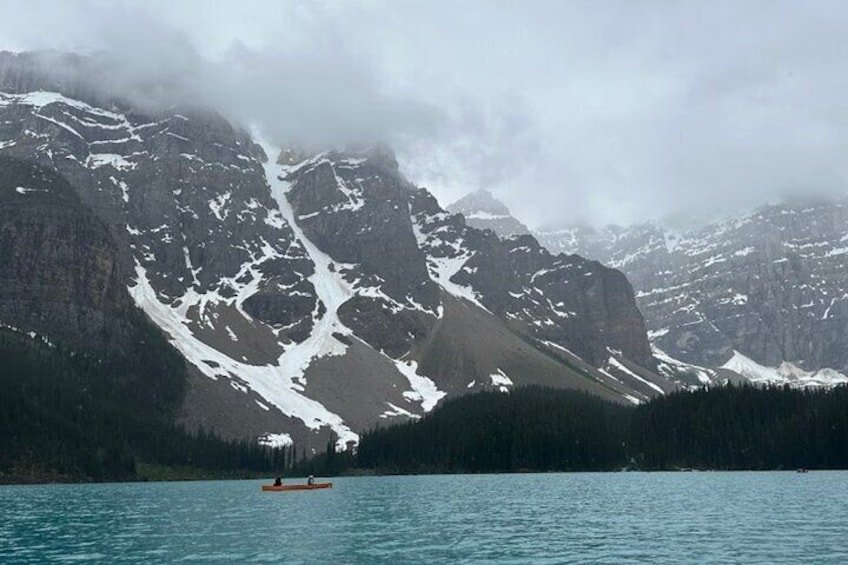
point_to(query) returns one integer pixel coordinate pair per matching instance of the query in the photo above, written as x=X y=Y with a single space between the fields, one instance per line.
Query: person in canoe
x=278 y=482
x=310 y=480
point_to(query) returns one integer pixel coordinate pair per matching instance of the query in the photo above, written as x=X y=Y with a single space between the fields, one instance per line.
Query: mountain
x=756 y=298
x=58 y=263
x=310 y=296
x=483 y=211
x=762 y=294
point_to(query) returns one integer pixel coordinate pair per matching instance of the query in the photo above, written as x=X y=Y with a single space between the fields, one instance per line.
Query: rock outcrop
x=58 y=264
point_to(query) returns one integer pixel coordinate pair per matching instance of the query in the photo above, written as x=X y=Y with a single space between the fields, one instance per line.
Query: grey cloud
x=569 y=111
x=314 y=88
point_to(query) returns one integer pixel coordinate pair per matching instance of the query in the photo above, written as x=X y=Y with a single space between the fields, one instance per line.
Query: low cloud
x=570 y=112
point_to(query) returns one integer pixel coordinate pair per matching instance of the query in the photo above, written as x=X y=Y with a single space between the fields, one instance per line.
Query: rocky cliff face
x=310 y=294
x=768 y=287
x=179 y=222
x=565 y=300
x=58 y=264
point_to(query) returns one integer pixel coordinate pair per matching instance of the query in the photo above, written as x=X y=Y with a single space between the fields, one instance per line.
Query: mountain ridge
x=333 y=281
x=761 y=288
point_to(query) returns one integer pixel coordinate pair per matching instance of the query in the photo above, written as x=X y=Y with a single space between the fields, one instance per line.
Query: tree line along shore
x=70 y=417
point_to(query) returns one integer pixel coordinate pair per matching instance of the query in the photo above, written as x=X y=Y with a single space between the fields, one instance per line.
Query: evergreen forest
x=68 y=416
x=542 y=429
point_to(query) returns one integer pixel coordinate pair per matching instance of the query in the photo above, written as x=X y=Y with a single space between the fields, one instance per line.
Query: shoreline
x=196 y=475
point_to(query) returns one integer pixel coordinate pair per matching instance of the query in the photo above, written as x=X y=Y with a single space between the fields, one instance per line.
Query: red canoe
x=296 y=487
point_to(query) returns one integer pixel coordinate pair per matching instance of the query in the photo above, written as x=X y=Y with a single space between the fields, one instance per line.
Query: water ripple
x=545 y=519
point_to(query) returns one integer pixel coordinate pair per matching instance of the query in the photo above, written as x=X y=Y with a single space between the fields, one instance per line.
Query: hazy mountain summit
x=482 y=210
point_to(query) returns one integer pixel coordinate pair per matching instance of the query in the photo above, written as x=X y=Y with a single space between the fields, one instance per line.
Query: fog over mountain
x=568 y=112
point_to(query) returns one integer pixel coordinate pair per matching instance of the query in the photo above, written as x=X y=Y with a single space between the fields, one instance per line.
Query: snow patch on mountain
x=423 y=390
x=672 y=368
x=785 y=374
x=443 y=269
x=39 y=100
x=275 y=440
x=30 y=334
x=485 y=216
x=560 y=348
x=25 y=190
x=395 y=411
x=117 y=162
x=501 y=380
x=333 y=291
x=244 y=284
x=331 y=288
x=616 y=364
x=276 y=384
x=444 y=258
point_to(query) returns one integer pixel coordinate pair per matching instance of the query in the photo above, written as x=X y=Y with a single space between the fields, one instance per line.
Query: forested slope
x=67 y=416
x=542 y=429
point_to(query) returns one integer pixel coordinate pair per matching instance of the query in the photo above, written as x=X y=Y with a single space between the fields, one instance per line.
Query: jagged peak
x=484 y=211
x=481 y=200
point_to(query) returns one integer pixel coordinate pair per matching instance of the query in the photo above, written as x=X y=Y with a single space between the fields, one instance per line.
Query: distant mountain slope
x=315 y=294
x=766 y=285
x=769 y=286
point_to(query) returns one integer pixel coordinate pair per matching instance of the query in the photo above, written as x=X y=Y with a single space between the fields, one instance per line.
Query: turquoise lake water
x=765 y=517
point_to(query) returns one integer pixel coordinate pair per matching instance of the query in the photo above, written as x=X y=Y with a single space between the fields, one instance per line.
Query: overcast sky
x=597 y=111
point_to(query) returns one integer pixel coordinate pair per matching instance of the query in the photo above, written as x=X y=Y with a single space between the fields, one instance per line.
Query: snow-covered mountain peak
x=785 y=374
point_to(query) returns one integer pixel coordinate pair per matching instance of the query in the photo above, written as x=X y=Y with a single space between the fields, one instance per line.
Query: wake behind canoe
x=273 y=488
